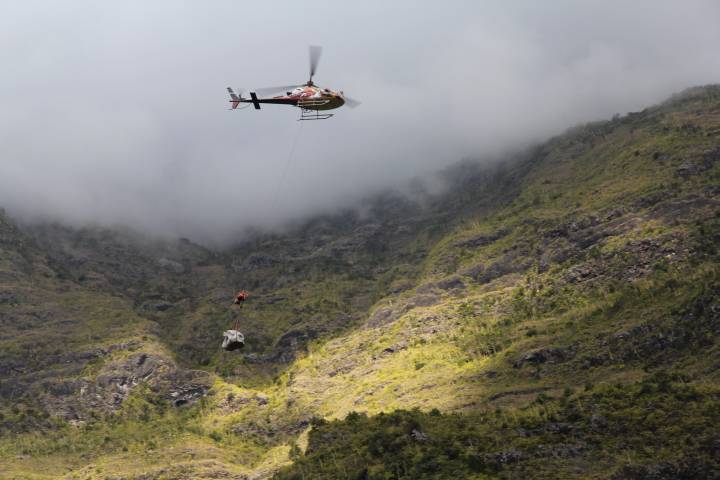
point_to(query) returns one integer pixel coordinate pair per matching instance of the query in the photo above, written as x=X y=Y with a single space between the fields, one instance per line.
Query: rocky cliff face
x=564 y=301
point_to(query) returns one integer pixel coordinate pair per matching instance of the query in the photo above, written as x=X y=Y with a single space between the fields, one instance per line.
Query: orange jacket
x=240 y=297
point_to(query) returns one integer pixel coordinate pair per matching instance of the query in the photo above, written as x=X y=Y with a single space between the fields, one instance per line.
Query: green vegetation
x=555 y=316
x=621 y=430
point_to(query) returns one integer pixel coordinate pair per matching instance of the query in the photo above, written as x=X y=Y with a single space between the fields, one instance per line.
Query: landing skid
x=306 y=114
x=308 y=109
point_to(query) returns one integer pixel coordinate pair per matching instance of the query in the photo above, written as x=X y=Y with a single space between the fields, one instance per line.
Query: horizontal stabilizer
x=254 y=99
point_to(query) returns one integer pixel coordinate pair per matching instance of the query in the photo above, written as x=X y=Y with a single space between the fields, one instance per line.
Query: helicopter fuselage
x=307 y=97
x=311 y=97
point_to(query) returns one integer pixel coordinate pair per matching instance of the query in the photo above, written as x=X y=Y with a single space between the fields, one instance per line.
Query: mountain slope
x=564 y=302
x=602 y=272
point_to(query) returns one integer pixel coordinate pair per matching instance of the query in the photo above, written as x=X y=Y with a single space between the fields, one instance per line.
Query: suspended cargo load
x=233 y=339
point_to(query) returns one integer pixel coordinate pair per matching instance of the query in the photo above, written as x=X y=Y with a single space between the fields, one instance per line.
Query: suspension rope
x=240 y=298
x=237 y=318
x=287 y=166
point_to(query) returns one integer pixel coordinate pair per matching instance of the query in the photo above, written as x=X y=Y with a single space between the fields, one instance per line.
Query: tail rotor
x=235 y=99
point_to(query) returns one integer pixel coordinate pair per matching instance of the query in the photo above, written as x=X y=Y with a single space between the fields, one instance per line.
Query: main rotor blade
x=351 y=102
x=315 y=52
x=271 y=90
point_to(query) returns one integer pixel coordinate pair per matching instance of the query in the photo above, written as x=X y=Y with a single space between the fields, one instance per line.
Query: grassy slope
x=606 y=265
x=599 y=273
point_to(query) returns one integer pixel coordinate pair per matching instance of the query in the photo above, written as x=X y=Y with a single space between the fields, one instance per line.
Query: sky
x=117 y=113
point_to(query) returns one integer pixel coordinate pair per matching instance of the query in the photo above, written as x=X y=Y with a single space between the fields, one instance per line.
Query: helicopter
x=312 y=100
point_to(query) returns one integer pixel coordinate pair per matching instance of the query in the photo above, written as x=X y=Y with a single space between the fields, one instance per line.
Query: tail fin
x=235 y=98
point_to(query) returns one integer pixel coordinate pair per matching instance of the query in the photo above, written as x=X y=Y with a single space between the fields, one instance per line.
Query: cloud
x=116 y=112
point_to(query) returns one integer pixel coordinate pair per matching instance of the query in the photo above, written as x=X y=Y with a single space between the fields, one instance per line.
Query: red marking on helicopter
x=310 y=98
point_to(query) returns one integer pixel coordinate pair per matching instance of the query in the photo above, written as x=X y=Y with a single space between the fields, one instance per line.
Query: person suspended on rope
x=233 y=339
x=240 y=297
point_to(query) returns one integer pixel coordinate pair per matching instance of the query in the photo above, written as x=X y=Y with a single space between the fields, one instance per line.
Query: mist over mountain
x=115 y=113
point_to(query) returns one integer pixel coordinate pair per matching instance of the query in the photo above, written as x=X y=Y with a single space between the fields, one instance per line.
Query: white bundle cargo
x=233 y=340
